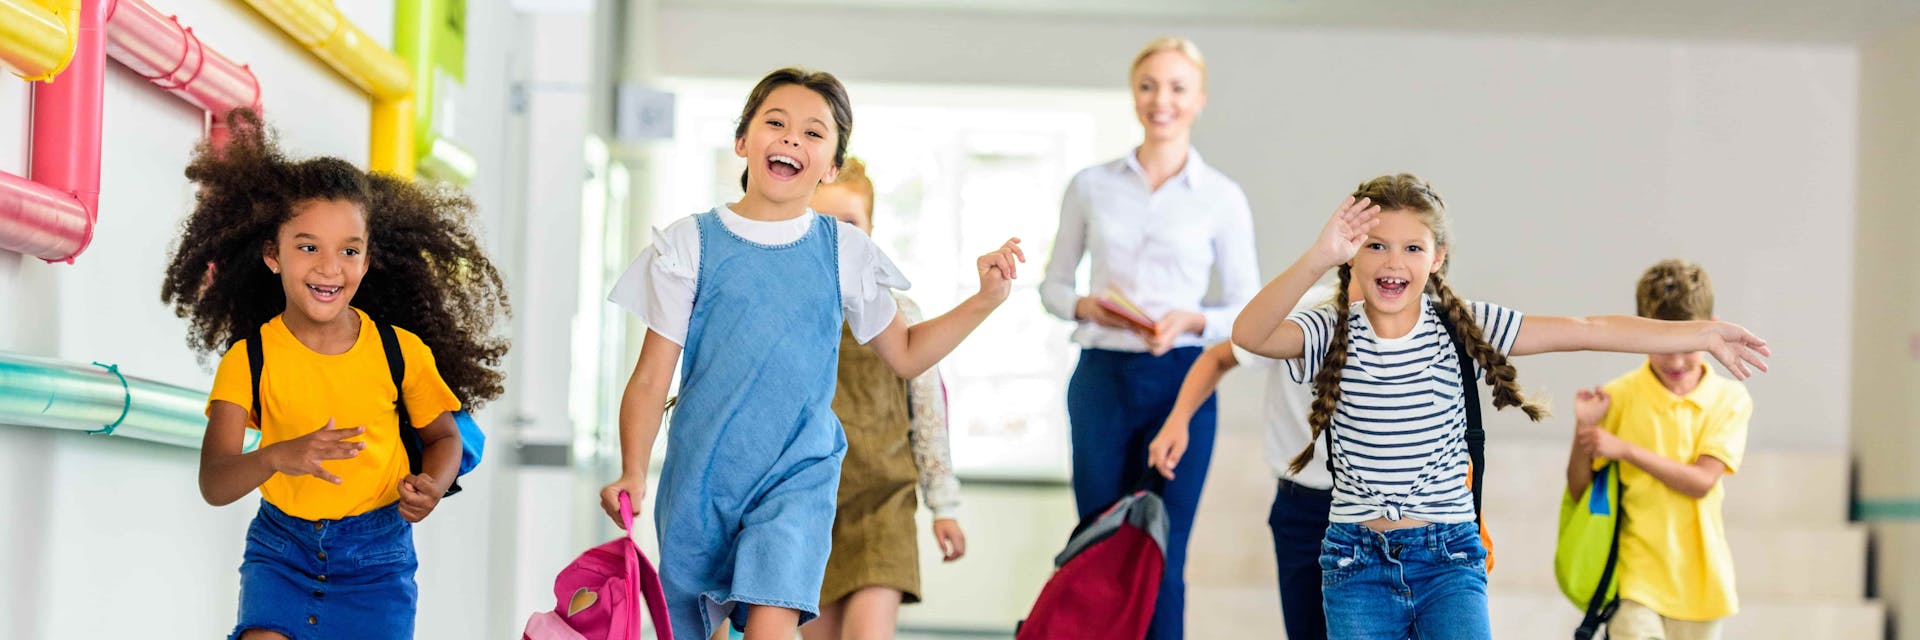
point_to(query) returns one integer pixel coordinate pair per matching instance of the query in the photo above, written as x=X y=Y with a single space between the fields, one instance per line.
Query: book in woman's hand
x=1118 y=304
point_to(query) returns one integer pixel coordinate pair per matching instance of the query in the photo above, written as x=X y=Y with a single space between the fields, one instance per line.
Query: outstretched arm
x=910 y=350
x=1737 y=349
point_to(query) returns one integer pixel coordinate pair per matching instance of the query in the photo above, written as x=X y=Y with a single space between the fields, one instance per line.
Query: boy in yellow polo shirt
x=1677 y=428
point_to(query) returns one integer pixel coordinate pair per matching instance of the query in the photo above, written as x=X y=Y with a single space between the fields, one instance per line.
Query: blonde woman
x=1160 y=226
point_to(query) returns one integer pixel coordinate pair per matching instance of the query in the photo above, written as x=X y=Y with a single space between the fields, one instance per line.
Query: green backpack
x=1589 y=549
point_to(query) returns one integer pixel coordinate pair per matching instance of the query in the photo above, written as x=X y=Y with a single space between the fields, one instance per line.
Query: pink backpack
x=600 y=594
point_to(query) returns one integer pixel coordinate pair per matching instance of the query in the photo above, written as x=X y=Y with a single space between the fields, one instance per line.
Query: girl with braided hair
x=1403 y=556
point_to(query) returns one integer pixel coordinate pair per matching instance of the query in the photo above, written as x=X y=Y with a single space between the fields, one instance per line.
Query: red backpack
x=1108 y=577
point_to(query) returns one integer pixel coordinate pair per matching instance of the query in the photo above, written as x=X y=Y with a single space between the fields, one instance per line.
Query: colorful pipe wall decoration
x=39 y=35
x=99 y=398
x=59 y=45
x=52 y=216
x=318 y=26
x=431 y=36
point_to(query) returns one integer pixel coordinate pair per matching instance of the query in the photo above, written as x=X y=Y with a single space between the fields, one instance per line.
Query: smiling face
x=321 y=256
x=1678 y=371
x=1394 y=263
x=1168 y=93
x=790 y=145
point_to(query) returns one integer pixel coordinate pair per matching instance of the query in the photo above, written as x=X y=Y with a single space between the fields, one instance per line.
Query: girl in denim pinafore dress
x=754 y=293
x=749 y=476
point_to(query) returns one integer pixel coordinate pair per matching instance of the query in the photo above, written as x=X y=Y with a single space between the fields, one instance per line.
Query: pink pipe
x=158 y=48
x=53 y=216
x=38 y=220
x=66 y=131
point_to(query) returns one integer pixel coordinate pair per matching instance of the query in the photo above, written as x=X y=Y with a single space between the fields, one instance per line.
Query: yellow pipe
x=318 y=25
x=392 y=151
x=37 y=36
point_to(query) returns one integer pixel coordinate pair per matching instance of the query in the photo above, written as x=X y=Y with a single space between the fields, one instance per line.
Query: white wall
x=1886 y=407
x=108 y=537
x=1571 y=165
x=1886 y=404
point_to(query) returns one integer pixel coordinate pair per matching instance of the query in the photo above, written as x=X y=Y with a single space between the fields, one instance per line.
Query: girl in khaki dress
x=896 y=436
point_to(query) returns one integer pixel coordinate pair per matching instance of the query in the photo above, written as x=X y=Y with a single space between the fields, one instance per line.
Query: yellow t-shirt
x=300 y=390
x=1673 y=554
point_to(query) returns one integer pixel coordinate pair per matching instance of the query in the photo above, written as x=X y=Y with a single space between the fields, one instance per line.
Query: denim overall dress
x=747 y=493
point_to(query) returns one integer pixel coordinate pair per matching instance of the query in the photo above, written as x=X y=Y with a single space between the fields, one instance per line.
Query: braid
x=1499 y=372
x=1326 y=384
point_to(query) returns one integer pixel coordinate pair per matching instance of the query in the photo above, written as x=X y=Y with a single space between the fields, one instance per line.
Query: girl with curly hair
x=317 y=259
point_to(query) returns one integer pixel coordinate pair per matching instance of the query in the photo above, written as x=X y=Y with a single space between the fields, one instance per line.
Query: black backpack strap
x=397 y=369
x=1600 y=609
x=1469 y=395
x=1327 y=433
x=256 y=359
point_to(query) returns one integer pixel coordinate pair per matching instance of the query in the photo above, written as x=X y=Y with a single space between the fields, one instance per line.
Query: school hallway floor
x=1781 y=504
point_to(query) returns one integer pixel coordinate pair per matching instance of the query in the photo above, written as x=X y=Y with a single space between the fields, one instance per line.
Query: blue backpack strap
x=256 y=359
x=397 y=369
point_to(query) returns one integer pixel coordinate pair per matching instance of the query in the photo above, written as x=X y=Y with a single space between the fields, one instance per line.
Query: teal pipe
x=98 y=398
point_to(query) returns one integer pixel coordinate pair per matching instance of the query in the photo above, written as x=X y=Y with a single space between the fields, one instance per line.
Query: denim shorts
x=1428 y=583
x=316 y=580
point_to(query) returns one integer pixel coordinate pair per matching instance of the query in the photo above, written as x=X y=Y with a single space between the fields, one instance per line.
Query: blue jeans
x=1299 y=523
x=317 y=580
x=1116 y=403
x=1427 y=583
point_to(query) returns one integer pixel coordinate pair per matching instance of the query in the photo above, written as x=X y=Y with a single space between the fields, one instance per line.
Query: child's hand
x=636 y=488
x=419 y=494
x=1344 y=233
x=1590 y=406
x=1600 y=443
x=998 y=269
x=1171 y=327
x=1736 y=348
x=1165 y=450
x=953 y=542
x=303 y=456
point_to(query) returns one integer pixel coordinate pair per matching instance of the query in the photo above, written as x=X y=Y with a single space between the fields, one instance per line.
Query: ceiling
x=1811 y=21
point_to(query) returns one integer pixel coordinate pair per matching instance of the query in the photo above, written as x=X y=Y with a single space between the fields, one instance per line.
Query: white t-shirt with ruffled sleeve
x=659 y=285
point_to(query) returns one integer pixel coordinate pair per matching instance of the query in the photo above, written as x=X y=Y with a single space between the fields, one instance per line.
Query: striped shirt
x=1399 y=434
